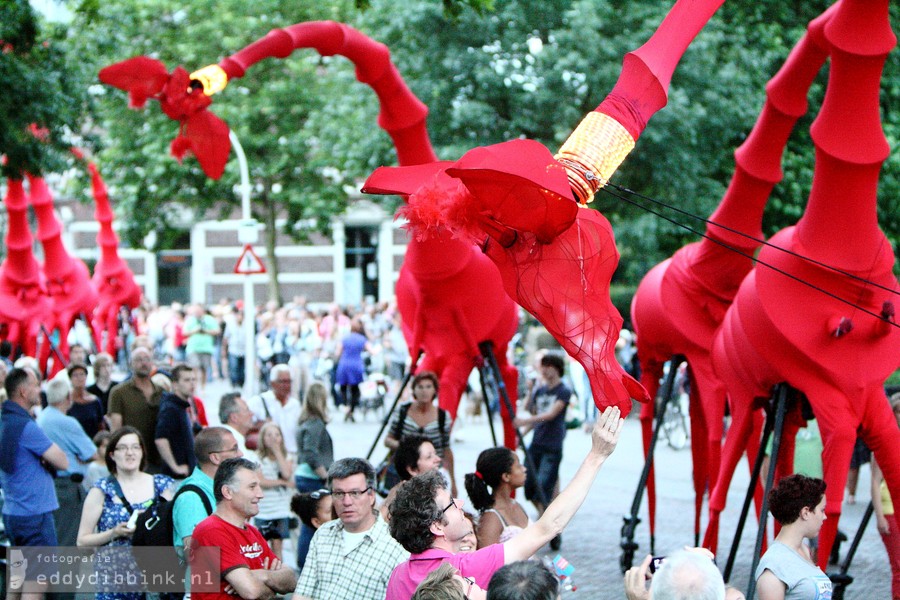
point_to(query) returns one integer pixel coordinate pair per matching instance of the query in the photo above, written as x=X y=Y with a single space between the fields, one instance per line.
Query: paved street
x=591 y=541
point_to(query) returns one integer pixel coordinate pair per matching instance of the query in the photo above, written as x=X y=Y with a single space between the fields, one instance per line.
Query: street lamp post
x=247 y=234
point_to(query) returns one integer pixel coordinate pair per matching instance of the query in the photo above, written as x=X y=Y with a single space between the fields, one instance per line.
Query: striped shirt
x=440 y=439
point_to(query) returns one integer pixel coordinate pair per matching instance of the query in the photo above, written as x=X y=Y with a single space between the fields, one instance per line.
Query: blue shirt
x=188 y=509
x=67 y=433
x=29 y=490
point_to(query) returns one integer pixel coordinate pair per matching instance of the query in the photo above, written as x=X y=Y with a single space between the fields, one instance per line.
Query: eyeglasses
x=449 y=506
x=323 y=492
x=233 y=449
x=133 y=448
x=354 y=494
x=470 y=581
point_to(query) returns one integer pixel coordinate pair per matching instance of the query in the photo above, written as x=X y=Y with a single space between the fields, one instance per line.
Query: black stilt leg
x=631 y=520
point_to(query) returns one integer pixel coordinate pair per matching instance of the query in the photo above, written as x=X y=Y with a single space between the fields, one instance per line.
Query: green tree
x=42 y=99
x=267 y=109
x=507 y=69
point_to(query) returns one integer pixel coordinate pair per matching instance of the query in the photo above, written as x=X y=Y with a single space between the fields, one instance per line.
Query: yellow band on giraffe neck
x=212 y=77
x=593 y=153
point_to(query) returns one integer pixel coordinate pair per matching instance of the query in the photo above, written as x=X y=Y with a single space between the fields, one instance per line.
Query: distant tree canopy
x=489 y=72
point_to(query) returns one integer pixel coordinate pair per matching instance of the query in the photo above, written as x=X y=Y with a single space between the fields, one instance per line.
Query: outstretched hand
x=606 y=431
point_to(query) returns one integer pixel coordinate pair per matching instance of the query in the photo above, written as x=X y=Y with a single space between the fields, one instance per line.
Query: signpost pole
x=247 y=234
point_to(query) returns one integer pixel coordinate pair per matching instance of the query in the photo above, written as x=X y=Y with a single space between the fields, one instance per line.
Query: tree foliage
x=41 y=98
x=489 y=72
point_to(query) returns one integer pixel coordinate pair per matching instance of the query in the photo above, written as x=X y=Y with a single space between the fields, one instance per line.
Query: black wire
x=738 y=232
x=750 y=256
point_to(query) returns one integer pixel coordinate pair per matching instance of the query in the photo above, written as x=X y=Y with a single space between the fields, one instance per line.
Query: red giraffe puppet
x=113 y=279
x=68 y=280
x=780 y=330
x=24 y=304
x=516 y=198
x=450 y=295
x=680 y=303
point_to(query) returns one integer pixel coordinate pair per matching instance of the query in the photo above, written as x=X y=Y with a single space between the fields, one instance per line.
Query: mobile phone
x=132 y=520
x=656 y=562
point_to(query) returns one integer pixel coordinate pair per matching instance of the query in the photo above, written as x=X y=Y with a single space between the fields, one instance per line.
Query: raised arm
x=604 y=438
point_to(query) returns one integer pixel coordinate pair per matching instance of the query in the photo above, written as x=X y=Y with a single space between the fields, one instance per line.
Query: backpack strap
x=397 y=430
x=265 y=407
x=197 y=490
x=117 y=489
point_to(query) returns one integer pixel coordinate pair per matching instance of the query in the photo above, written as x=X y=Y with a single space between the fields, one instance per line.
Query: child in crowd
x=97 y=470
x=274 y=508
x=314 y=510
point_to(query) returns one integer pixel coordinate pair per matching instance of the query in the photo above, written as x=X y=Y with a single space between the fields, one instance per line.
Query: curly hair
x=490 y=467
x=406 y=456
x=414 y=510
x=792 y=494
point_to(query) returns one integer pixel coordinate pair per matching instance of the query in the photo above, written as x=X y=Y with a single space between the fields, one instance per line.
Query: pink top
x=480 y=565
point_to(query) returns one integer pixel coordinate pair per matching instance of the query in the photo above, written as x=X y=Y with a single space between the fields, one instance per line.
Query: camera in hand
x=656 y=562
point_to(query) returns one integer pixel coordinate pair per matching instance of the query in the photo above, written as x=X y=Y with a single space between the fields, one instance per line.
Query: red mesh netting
x=565 y=285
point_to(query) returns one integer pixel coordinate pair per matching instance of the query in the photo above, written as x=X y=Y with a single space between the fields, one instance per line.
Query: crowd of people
x=337 y=345
x=267 y=473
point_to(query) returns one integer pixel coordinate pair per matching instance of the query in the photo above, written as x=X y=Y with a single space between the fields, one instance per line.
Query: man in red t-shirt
x=249 y=568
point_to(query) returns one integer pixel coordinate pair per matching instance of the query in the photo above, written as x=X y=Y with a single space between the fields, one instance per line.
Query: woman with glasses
x=315 y=451
x=445 y=583
x=112 y=501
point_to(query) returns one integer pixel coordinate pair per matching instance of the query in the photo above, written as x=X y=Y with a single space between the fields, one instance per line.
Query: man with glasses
x=212 y=446
x=427 y=521
x=278 y=406
x=350 y=558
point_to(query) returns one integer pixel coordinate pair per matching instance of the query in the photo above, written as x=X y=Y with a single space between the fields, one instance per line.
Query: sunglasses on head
x=319 y=493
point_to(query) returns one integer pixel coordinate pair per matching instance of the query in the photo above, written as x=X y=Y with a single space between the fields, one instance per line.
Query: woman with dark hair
x=86 y=408
x=787 y=571
x=350 y=367
x=492 y=490
x=423 y=416
x=113 y=500
x=415 y=455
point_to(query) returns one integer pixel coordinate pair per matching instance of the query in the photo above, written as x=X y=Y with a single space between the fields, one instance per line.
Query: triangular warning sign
x=249 y=263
